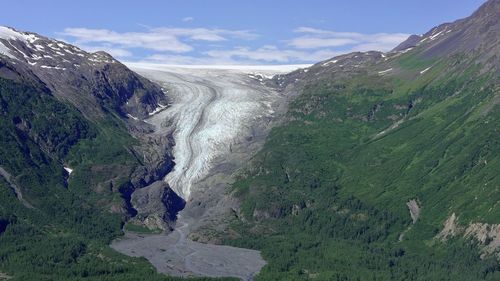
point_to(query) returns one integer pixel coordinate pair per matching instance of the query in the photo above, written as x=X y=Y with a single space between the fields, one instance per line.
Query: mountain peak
x=487 y=16
x=480 y=31
x=69 y=71
x=490 y=8
x=9 y=33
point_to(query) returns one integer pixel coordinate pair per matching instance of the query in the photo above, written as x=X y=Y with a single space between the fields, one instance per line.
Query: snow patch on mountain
x=329 y=62
x=425 y=70
x=30 y=47
x=158 y=109
x=8 y=33
x=69 y=170
x=385 y=71
x=5 y=51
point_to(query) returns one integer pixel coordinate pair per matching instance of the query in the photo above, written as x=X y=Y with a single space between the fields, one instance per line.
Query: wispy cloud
x=116 y=52
x=158 y=39
x=307 y=42
x=175 y=59
x=313 y=38
x=243 y=55
x=270 y=54
x=173 y=45
x=187 y=19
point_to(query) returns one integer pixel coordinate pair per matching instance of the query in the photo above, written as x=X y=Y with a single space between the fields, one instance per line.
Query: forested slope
x=386 y=167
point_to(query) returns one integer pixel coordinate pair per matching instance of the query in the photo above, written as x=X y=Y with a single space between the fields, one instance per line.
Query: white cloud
x=173 y=59
x=150 y=40
x=311 y=30
x=115 y=52
x=158 y=39
x=242 y=55
x=270 y=54
x=320 y=38
x=187 y=19
x=173 y=45
x=315 y=42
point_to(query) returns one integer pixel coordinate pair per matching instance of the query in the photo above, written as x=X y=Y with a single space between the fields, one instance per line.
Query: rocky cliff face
x=157 y=205
x=488 y=235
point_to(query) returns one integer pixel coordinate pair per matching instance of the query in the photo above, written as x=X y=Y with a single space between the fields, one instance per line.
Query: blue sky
x=232 y=32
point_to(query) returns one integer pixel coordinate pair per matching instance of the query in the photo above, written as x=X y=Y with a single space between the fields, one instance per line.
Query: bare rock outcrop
x=414 y=209
x=450 y=229
x=156 y=205
x=486 y=234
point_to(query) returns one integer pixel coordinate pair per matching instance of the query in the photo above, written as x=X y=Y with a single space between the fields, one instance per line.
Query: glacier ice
x=211 y=110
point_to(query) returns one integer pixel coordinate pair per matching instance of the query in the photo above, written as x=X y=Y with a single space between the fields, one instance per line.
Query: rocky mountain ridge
x=92 y=82
x=476 y=36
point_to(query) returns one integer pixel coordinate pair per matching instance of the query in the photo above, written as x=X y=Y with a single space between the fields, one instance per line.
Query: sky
x=232 y=32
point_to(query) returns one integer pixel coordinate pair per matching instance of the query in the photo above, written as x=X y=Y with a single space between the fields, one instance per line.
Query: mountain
x=477 y=35
x=386 y=165
x=73 y=150
x=92 y=82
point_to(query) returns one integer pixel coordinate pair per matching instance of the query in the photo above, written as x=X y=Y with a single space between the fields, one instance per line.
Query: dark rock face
x=92 y=82
x=154 y=152
x=157 y=205
x=3 y=225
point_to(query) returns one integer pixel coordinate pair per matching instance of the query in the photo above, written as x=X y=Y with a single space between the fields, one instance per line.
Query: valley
x=373 y=163
x=218 y=119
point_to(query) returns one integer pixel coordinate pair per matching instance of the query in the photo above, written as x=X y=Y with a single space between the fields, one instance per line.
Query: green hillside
x=326 y=197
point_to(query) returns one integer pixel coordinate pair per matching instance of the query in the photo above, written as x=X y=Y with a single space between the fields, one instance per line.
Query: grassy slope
x=66 y=236
x=326 y=197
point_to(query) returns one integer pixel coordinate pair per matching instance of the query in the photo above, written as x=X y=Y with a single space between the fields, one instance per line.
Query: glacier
x=218 y=117
x=212 y=109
